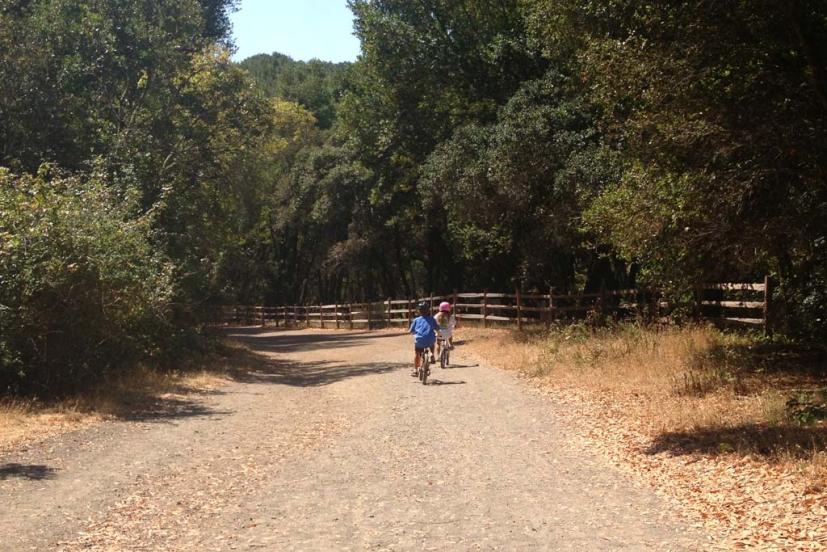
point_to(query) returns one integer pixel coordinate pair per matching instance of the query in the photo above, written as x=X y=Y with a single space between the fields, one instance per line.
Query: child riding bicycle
x=447 y=322
x=425 y=329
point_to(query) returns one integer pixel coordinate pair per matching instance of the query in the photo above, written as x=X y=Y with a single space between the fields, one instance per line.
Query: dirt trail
x=334 y=447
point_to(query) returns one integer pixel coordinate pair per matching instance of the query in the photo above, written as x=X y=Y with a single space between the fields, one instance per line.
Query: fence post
x=455 y=299
x=369 y=315
x=519 y=311
x=321 y=315
x=336 y=314
x=389 y=312
x=307 y=316
x=485 y=308
x=604 y=307
x=432 y=303
x=767 y=301
x=550 y=307
x=350 y=315
x=639 y=305
x=658 y=297
x=410 y=311
x=261 y=316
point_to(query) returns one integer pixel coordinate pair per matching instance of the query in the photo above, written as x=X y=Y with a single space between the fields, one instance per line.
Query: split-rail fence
x=741 y=304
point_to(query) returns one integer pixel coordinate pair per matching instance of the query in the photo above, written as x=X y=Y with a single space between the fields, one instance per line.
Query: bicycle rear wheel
x=424 y=374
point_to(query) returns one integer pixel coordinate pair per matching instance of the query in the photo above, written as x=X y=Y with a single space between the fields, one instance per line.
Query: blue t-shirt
x=423 y=328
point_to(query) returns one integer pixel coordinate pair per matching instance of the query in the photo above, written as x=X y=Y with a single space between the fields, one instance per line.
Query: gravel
x=332 y=445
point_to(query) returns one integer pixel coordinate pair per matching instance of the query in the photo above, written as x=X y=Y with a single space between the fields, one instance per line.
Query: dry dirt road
x=334 y=447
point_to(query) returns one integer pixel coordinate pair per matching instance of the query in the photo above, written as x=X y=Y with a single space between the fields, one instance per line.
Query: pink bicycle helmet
x=445 y=306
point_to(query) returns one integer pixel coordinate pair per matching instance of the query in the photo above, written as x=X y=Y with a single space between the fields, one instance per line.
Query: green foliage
x=79 y=79
x=316 y=85
x=807 y=407
x=526 y=176
x=82 y=289
x=527 y=143
x=142 y=101
x=720 y=112
x=211 y=188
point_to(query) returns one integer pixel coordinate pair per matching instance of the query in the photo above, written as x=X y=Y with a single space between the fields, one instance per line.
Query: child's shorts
x=422 y=349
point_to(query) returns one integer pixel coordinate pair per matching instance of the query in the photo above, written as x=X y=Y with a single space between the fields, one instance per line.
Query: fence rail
x=742 y=304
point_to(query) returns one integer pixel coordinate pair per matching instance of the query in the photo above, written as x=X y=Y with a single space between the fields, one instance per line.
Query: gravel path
x=334 y=447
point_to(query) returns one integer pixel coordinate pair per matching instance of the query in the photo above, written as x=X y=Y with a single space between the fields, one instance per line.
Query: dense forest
x=146 y=178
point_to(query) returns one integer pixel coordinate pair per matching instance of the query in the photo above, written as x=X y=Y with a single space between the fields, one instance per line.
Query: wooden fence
x=743 y=304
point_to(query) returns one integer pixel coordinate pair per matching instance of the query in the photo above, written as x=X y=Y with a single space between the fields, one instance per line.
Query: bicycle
x=444 y=353
x=425 y=366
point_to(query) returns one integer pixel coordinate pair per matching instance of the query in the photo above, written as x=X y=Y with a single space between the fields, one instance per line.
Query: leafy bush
x=82 y=290
x=806 y=407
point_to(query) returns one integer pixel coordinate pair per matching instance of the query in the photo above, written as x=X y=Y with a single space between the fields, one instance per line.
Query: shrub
x=82 y=290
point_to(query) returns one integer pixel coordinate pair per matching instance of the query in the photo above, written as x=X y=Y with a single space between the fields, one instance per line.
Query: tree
x=528 y=177
x=719 y=111
x=316 y=85
x=82 y=287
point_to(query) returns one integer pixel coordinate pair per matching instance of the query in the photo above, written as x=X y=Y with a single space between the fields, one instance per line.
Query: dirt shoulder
x=755 y=499
x=332 y=445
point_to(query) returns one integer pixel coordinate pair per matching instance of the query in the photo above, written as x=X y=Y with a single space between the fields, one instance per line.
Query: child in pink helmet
x=447 y=322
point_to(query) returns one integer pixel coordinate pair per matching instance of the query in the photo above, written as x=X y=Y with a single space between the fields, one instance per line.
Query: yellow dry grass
x=701 y=414
x=681 y=381
x=29 y=420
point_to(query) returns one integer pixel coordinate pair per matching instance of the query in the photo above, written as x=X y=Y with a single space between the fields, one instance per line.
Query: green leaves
x=83 y=288
x=316 y=85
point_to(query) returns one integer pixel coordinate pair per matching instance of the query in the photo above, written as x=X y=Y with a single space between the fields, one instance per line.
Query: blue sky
x=302 y=29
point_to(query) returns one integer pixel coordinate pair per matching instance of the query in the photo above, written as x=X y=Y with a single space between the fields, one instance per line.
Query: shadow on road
x=313 y=374
x=247 y=366
x=168 y=409
x=440 y=382
x=283 y=342
x=262 y=369
x=743 y=439
x=31 y=472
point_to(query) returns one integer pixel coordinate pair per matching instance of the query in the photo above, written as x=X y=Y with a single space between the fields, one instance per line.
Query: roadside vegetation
x=696 y=388
x=732 y=425
x=145 y=178
x=143 y=391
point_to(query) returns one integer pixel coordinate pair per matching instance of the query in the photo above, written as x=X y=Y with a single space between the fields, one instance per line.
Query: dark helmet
x=424 y=307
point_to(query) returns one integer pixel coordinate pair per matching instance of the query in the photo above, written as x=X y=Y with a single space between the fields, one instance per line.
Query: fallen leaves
x=749 y=502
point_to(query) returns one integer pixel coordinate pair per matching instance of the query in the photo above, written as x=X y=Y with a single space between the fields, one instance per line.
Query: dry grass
x=24 y=421
x=709 y=418
x=690 y=387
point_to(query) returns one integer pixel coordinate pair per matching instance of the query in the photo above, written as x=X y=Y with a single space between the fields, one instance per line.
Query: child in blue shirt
x=425 y=330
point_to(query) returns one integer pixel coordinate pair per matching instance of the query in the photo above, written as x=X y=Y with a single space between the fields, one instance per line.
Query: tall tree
x=719 y=108
x=316 y=85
